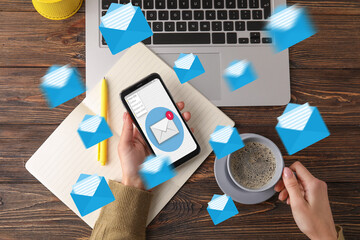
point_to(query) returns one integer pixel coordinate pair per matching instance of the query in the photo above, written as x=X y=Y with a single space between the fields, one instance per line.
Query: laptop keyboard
x=206 y=22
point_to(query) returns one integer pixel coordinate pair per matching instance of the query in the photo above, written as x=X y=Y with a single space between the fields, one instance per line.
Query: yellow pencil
x=102 y=155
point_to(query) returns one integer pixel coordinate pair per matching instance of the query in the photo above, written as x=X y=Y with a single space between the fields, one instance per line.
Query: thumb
x=127 y=131
x=292 y=186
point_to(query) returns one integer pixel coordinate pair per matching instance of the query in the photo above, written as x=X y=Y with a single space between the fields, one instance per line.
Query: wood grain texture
x=20 y=94
x=329 y=7
x=331 y=46
x=335 y=92
x=325 y=71
x=32 y=40
x=43 y=216
x=187 y=217
x=19 y=142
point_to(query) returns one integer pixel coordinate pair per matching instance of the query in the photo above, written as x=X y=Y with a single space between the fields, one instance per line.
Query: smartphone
x=159 y=121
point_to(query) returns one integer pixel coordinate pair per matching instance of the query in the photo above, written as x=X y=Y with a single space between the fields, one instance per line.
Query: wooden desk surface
x=325 y=71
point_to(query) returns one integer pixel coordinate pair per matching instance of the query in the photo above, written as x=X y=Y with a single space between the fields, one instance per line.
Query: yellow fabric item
x=57 y=9
x=125 y=218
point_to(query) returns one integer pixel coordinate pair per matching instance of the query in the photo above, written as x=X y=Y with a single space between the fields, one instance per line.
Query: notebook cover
x=62 y=158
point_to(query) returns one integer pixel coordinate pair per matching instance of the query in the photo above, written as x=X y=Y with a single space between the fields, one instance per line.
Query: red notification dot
x=169 y=115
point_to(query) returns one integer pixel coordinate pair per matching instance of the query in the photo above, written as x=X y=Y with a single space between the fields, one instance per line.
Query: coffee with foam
x=253 y=166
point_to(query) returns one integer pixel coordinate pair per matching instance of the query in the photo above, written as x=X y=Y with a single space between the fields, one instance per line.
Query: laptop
x=217 y=31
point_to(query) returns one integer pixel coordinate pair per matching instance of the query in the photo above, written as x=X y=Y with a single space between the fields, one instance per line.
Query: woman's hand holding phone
x=133 y=150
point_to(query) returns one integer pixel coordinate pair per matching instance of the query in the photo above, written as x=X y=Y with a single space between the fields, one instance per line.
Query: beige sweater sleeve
x=340 y=232
x=125 y=218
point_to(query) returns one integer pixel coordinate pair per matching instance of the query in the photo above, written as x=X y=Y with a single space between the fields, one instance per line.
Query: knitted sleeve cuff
x=125 y=218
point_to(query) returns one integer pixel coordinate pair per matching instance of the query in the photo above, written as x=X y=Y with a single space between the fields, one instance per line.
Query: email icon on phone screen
x=164 y=130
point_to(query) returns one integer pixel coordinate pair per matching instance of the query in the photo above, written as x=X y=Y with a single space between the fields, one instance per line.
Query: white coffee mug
x=251 y=137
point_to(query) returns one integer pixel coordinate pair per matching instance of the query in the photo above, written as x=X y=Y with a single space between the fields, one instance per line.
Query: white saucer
x=237 y=194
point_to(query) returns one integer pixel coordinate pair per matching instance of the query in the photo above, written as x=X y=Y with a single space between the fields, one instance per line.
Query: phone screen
x=159 y=121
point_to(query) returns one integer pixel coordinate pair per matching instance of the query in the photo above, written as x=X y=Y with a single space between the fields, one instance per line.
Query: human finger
x=279 y=186
x=287 y=195
x=127 y=131
x=303 y=175
x=292 y=187
x=180 y=105
x=186 y=116
x=141 y=140
x=283 y=195
x=302 y=189
x=138 y=136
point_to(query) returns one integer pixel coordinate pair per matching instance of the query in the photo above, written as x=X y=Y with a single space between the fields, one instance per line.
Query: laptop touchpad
x=208 y=83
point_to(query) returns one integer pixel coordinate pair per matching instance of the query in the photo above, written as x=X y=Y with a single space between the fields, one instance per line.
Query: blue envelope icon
x=60 y=84
x=300 y=126
x=221 y=207
x=156 y=170
x=123 y=26
x=288 y=26
x=187 y=67
x=239 y=73
x=93 y=129
x=90 y=193
x=225 y=140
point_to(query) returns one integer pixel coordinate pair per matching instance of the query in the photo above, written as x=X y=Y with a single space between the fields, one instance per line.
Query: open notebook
x=62 y=158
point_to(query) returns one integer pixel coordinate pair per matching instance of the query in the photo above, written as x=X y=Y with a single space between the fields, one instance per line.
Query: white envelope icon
x=154 y=165
x=185 y=62
x=237 y=69
x=219 y=203
x=285 y=19
x=223 y=135
x=297 y=118
x=164 y=129
x=57 y=78
x=120 y=18
x=91 y=124
x=87 y=186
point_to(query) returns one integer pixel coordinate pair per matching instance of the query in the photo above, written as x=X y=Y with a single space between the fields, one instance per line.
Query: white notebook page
x=59 y=161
